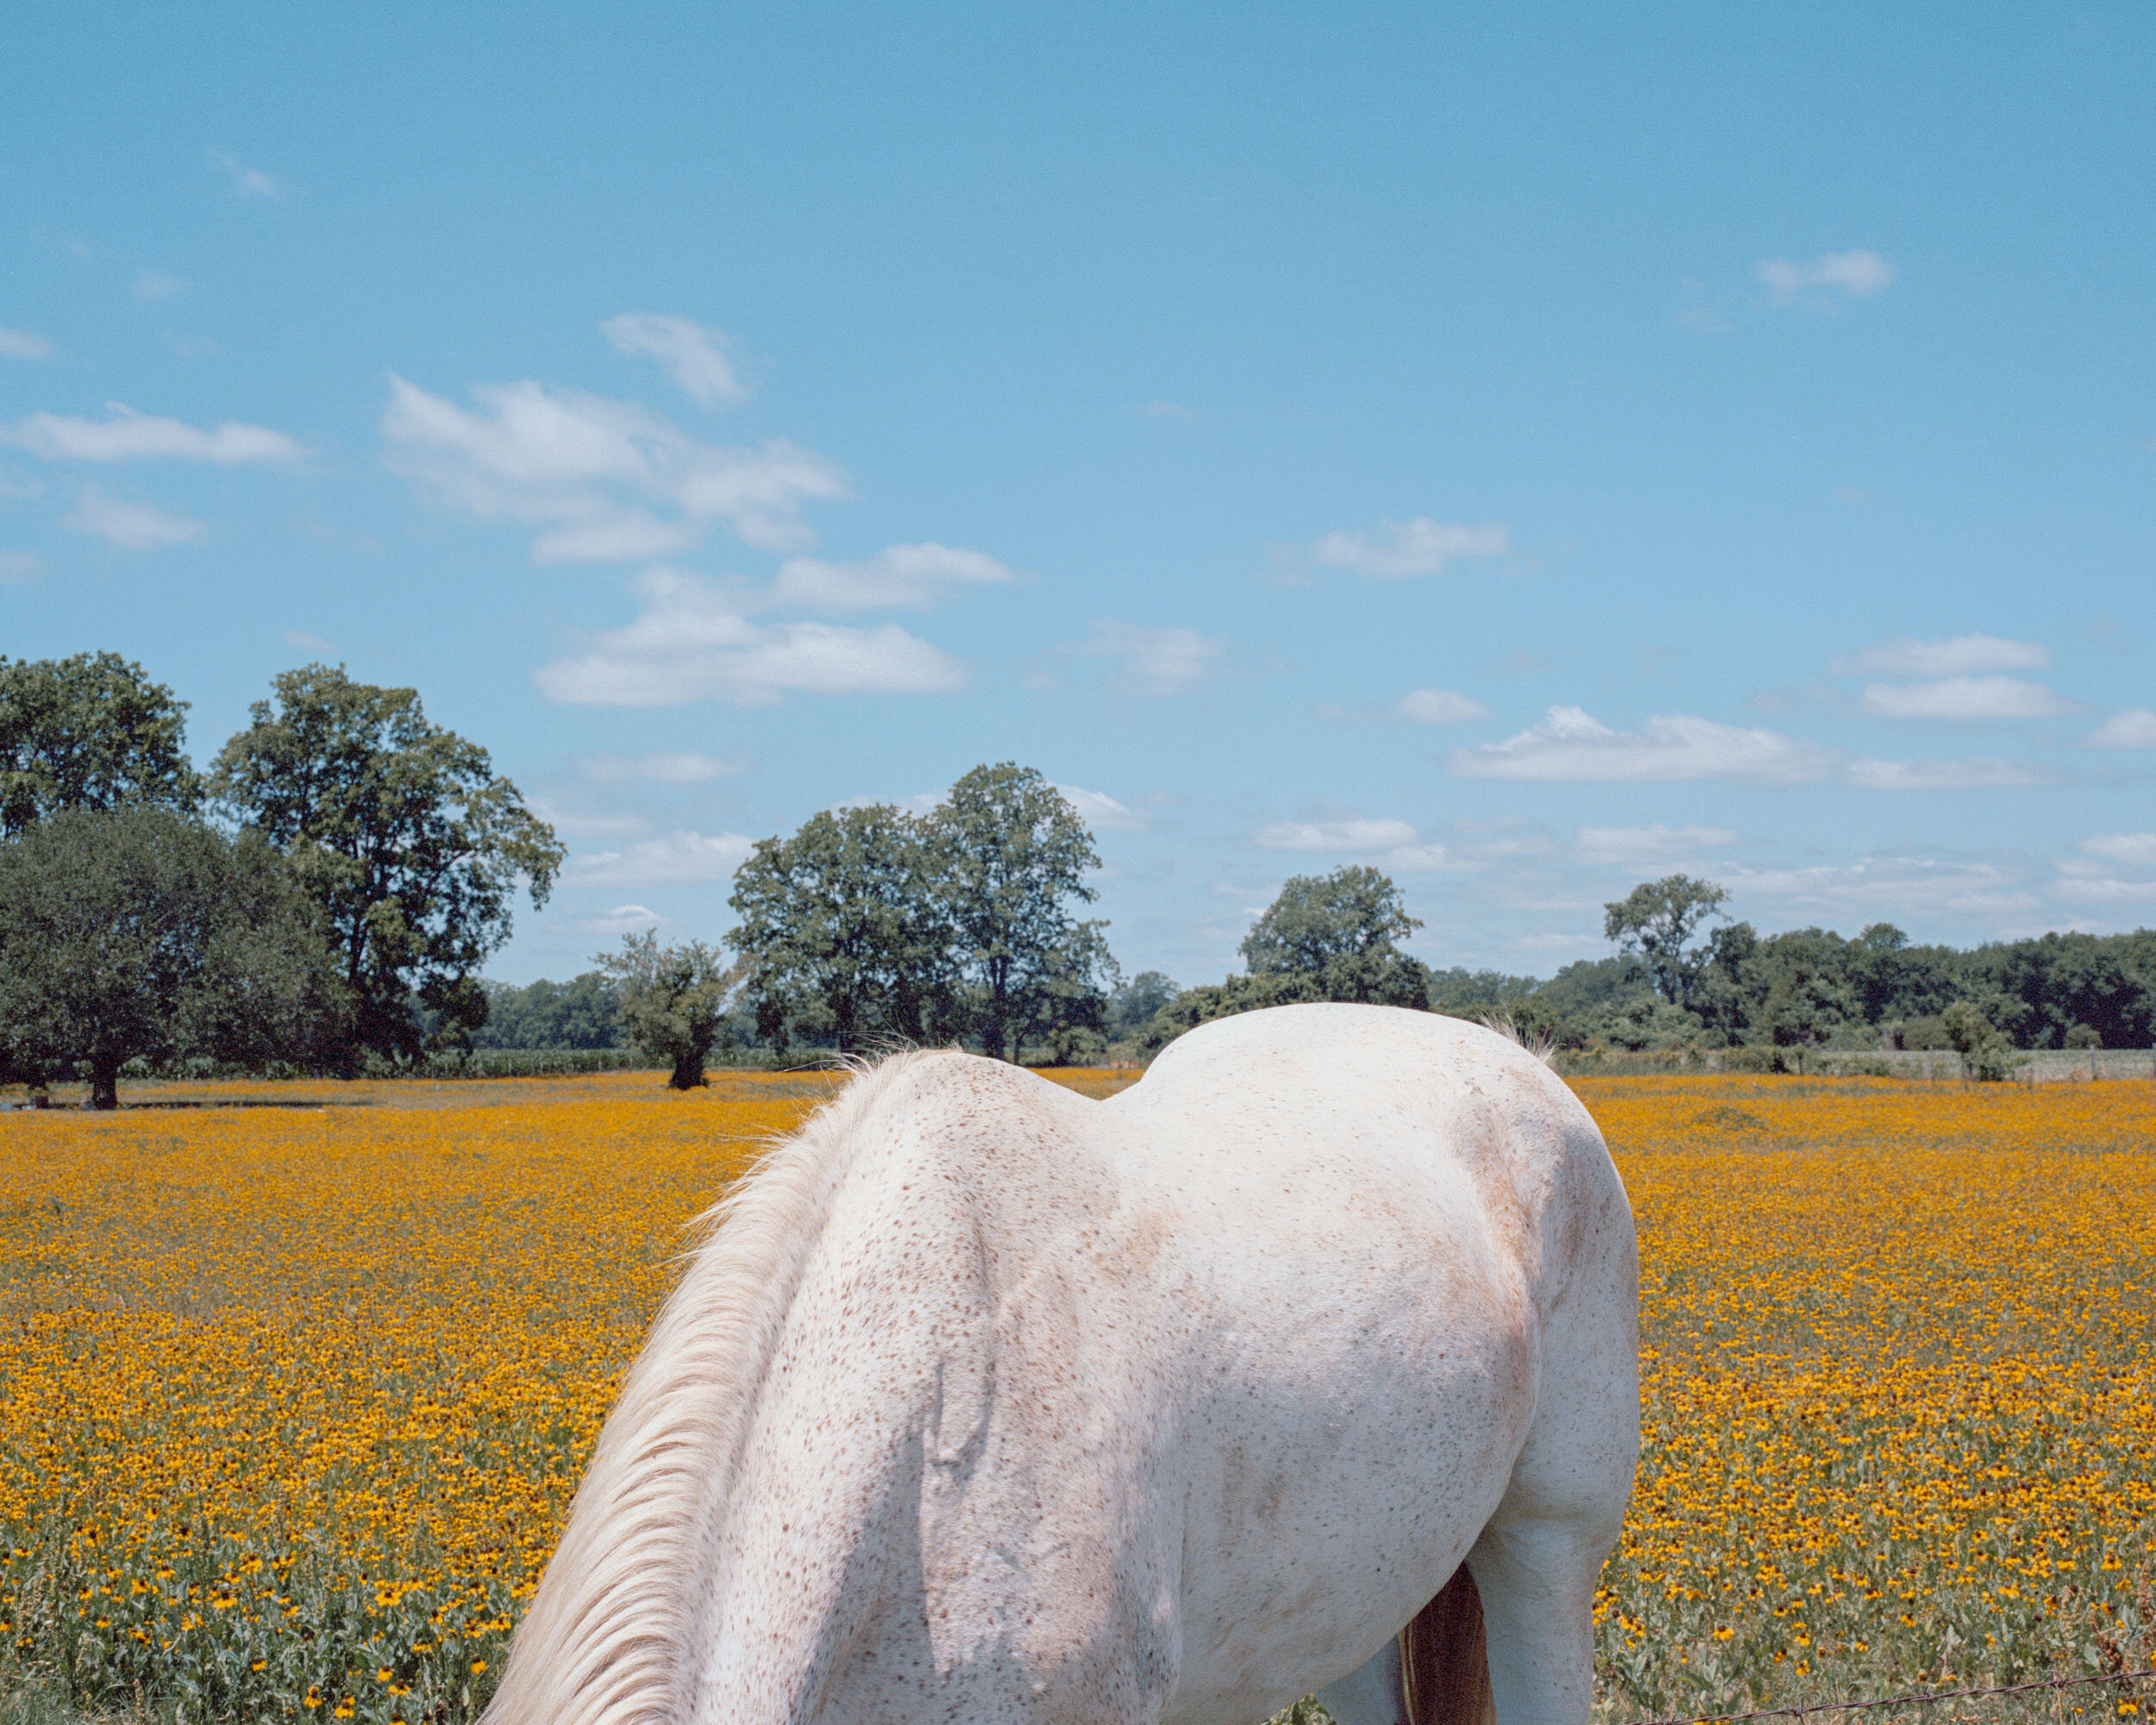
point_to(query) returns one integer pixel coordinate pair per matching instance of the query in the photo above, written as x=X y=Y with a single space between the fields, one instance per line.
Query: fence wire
x=1917 y=1698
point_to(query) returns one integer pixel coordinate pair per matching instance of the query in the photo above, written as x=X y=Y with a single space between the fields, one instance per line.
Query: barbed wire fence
x=1915 y=1698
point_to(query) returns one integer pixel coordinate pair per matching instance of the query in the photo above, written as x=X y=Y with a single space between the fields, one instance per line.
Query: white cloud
x=1963 y=699
x=24 y=344
x=690 y=643
x=2100 y=881
x=623 y=920
x=697 y=359
x=1956 y=655
x=1849 y=275
x=684 y=858
x=300 y=641
x=1973 y=773
x=1164 y=410
x=2135 y=849
x=135 y=526
x=1895 y=887
x=1336 y=835
x=1098 y=808
x=589 y=471
x=248 y=182
x=1438 y=706
x=151 y=285
x=2133 y=727
x=1154 y=661
x=911 y=577
x=1394 y=845
x=20 y=566
x=1415 y=547
x=128 y=435
x=1570 y=745
x=678 y=767
x=1652 y=846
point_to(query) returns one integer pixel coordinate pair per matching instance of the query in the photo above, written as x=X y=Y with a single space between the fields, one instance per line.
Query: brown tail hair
x=1445 y=1659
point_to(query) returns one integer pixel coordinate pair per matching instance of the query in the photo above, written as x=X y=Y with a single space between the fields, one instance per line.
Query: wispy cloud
x=679 y=858
x=604 y=480
x=1098 y=808
x=2116 y=867
x=1654 y=846
x=1823 y=280
x=301 y=642
x=151 y=285
x=1336 y=835
x=133 y=526
x=1896 y=886
x=128 y=435
x=1438 y=706
x=1963 y=700
x=698 y=359
x=248 y=182
x=1955 y=655
x=24 y=344
x=898 y=577
x=1163 y=409
x=1152 y=662
x=2133 y=727
x=690 y=642
x=1394 y=844
x=1570 y=745
x=1418 y=546
x=1972 y=773
x=677 y=767
x=18 y=567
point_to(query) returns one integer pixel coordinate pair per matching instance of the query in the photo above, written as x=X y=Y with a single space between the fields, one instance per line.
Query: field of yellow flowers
x=293 y=1396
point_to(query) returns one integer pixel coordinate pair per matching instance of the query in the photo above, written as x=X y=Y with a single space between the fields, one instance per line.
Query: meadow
x=293 y=1396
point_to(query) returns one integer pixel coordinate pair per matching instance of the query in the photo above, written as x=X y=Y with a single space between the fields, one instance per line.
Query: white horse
x=990 y=1404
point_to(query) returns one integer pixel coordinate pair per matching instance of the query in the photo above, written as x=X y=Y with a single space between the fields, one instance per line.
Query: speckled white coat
x=991 y=1404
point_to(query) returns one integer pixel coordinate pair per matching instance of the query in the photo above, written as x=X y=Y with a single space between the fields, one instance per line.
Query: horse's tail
x=1445 y=1659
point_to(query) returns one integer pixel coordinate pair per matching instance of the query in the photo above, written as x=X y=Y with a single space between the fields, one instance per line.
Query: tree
x=578 y=1013
x=89 y=732
x=1338 y=931
x=402 y=832
x=673 y=1000
x=1138 y=999
x=1986 y=1054
x=1010 y=854
x=1657 y=921
x=129 y=932
x=844 y=929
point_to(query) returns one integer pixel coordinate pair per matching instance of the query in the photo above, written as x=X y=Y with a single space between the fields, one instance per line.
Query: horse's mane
x=602 y=1644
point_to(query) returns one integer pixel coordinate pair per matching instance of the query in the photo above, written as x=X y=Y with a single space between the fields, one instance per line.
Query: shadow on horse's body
x=990 y=1404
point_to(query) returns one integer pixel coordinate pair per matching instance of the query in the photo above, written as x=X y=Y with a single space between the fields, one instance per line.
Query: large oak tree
x=403 y=833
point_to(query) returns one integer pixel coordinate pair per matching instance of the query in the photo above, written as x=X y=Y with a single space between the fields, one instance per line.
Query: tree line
x=325 y=897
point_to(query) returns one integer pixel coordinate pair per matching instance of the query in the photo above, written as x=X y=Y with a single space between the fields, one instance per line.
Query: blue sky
x=1530 y=449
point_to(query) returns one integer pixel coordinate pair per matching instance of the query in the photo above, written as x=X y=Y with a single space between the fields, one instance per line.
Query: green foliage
x=846 y=931
x=1210 y=1001
x=1010 y=855
x=1985 y=1050
x=401 y=831
x=1136 y=1001
x=139 y=933
x=673 y=1000
x=1657 y=921
x=578 y=1013
x=89 y=732
x=1337 y=933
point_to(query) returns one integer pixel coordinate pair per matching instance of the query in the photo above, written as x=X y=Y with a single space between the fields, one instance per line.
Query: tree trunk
x=688 y=1070
x=104 y=1083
